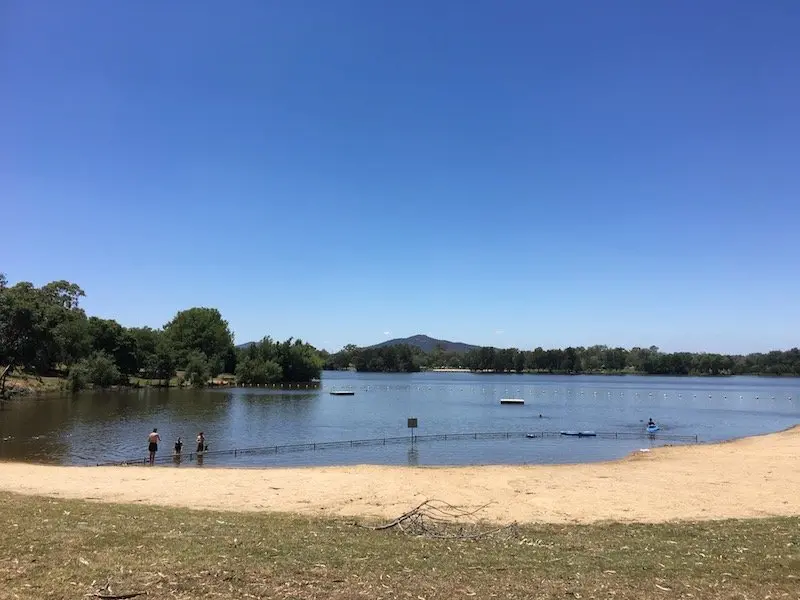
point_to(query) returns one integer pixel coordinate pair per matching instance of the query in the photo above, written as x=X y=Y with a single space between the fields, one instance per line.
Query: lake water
x=94 y=427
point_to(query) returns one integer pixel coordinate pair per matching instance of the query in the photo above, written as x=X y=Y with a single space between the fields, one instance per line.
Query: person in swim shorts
x=201 y=442
x=152 y=445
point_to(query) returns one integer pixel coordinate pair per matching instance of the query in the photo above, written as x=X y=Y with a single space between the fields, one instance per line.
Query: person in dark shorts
x=201 y=442
x=178 y=446
x=152 y=444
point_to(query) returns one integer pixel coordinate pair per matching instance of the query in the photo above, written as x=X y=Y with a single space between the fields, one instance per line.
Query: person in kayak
x=651 y=423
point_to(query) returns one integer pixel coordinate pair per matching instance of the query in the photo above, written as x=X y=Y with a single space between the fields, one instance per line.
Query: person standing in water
x=201 y=442
x=152 y=445
x=176 y=454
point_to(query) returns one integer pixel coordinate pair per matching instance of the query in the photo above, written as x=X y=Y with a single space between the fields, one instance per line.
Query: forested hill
x=427 y=344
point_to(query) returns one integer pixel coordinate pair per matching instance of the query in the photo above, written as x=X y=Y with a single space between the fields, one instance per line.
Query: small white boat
x=342 y=393
x=512 y=401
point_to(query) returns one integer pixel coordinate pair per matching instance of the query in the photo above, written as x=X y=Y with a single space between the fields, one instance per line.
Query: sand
x=751 y=477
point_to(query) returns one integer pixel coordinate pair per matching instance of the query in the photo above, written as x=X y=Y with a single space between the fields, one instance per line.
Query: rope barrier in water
x=384 y=441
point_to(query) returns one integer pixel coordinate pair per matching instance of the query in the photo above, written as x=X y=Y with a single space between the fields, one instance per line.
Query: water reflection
x=413 y=455
x=113 y=426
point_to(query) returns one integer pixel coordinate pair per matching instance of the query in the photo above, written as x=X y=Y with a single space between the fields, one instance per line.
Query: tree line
x=572 y=360
x=400 y=358
x=44 y=331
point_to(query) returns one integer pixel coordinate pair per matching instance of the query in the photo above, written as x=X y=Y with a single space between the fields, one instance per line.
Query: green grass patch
x=66 y=549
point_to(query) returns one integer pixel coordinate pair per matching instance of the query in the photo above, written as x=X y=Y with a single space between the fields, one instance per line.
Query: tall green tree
x=145 y=342
x=199 y=330
x=161 y=364
x=40 y=327
x=113 y=339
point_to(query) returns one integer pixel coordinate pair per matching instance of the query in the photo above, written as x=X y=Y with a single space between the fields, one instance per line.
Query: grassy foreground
x=68 y=549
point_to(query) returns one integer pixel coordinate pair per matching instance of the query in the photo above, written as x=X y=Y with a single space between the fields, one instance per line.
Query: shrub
x=198 y=369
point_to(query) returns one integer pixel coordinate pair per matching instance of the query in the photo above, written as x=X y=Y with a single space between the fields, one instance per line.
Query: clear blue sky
x=515 y=173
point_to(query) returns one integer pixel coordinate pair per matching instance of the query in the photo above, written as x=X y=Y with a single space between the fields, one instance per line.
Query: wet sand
x=751 y=477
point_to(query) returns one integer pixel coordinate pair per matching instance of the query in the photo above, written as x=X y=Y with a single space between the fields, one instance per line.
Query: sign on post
x=412 y=425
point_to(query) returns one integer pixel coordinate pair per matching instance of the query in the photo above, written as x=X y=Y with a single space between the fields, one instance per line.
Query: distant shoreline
x=574 y=374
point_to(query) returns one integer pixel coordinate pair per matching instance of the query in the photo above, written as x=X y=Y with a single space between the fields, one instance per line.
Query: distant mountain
x=427 y=344
x=245 y=345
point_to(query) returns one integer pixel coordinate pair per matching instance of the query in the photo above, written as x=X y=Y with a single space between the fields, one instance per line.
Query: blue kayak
x=652 y=428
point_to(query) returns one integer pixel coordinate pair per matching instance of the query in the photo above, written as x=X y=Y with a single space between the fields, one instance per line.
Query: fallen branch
x=398 y=520
x=441 y=520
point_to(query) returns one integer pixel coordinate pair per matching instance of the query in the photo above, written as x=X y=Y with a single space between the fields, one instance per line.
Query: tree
x=298 y=361
x=103 y=371
x=197 y=369
x=110 y=337
x=64 y=294
x=72 y=338
x=199 y=330
x=519 y=362
x=161 y=364
x=99 y=370
x=256 y=371
x=386 y=359
x=78 y=377
x=229 y=360
x=341 y=360
x=295 y=360
x=39 y=327
x=145 y=342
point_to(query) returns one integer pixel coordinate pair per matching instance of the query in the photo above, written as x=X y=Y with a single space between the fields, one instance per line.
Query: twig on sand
x=441 y=520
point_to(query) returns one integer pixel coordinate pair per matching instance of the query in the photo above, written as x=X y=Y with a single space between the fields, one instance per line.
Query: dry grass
x=67 y=549
x=27 y=383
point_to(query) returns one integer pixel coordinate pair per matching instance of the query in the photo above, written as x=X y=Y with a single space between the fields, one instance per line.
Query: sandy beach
x=751 y=477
